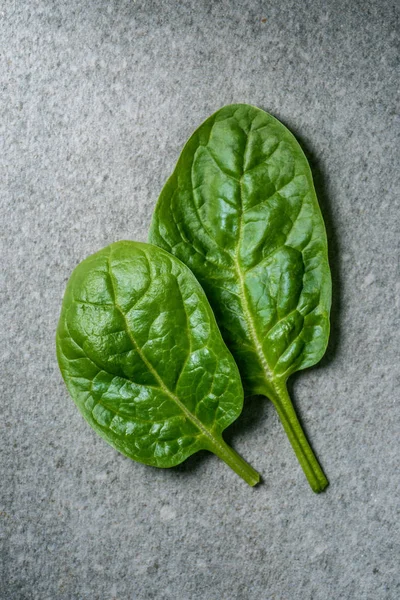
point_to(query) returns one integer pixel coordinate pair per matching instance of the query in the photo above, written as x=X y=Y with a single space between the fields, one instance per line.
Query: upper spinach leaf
x=241 y=211
x=143 y=359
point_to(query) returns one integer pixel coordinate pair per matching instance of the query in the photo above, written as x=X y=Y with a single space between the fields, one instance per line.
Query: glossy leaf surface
x=241 y=211
x=143 y=358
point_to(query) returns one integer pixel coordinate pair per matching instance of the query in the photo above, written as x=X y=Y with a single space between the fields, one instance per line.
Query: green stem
x=235 y=462
x=297 y=438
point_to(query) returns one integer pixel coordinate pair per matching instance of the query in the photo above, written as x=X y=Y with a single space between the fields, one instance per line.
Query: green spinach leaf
x=144 y=361
x=241 y=211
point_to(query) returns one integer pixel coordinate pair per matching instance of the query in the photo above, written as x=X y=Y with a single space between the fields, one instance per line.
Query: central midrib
x=269 y=376
x=160 y=381
x=252 y=329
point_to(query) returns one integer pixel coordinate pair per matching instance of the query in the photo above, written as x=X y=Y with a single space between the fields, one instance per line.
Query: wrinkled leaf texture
x=143 y=358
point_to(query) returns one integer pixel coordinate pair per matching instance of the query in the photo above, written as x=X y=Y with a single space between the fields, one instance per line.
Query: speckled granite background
x=97 y=100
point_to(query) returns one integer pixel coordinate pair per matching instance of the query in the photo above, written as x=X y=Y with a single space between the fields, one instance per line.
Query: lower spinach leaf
x=143 y=358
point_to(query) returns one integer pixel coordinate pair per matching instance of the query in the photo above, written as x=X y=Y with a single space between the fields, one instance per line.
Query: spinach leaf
x=144 y=361
x=241 y=211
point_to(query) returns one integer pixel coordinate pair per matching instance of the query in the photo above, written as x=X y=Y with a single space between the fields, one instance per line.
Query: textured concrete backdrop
x=97 y=100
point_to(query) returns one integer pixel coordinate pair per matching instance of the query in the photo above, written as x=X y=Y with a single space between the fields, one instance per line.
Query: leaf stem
x=235 y=462
x=297 y=438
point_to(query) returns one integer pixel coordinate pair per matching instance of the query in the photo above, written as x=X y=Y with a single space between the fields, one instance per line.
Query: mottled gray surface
x=97 y=99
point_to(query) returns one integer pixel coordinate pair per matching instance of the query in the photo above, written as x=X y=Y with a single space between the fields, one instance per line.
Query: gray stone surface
x=97 y=99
